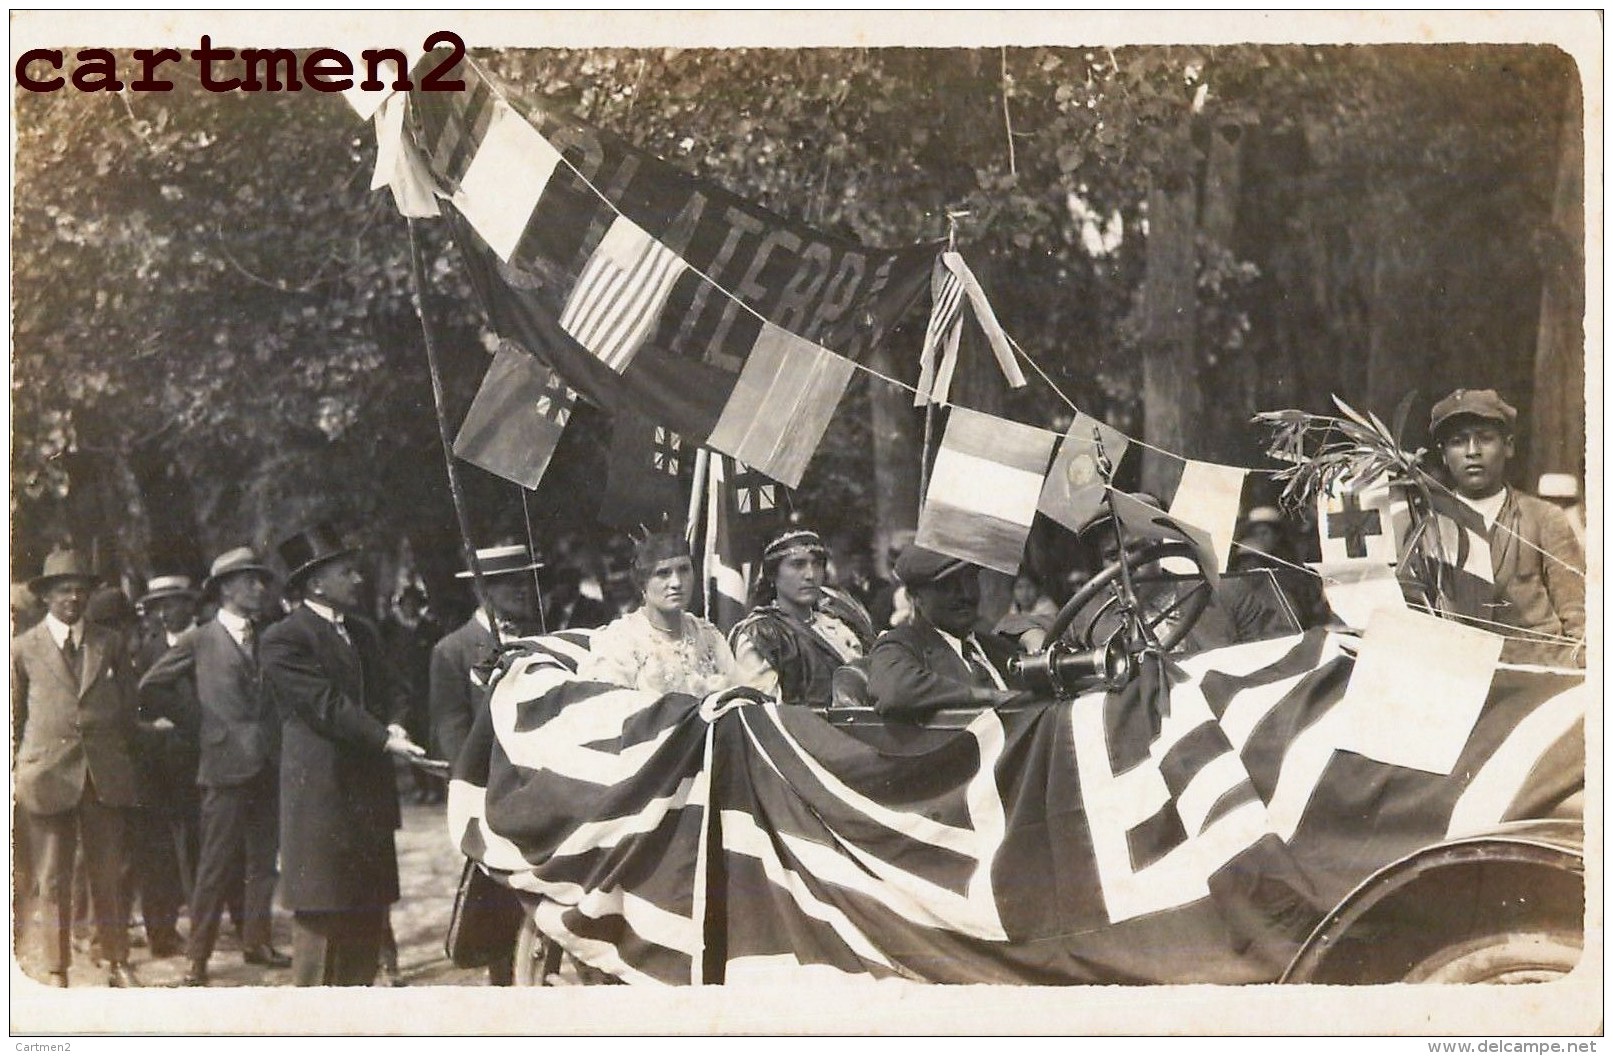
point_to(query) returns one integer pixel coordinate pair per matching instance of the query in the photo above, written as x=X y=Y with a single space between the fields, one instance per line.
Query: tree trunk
x=1171 y=397
x=1557 y=429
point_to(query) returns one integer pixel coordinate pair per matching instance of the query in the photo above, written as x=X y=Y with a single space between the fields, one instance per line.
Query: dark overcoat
x=912 y=671
x=338 y=789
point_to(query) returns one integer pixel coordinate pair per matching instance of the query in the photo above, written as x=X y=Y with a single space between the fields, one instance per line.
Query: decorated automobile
x=1256 y=812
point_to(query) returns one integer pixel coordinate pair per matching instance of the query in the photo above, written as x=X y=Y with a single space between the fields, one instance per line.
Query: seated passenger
x=937 y=659
x=791 y=643
x=1536 y=563
x=658 y=646
x=1263 y=543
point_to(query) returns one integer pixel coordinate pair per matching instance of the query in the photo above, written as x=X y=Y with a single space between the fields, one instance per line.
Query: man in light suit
x=939 y=659
x=73 y=715
x=341 y=712
x=239 y=769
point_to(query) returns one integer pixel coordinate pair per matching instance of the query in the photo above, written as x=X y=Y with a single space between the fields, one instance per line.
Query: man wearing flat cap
x=73 y=715
x=938 y=659
x=341 y=711
x=239 y=766
x=1537 y=562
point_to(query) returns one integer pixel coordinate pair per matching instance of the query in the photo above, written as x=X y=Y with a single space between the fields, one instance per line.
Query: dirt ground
x=428 y=871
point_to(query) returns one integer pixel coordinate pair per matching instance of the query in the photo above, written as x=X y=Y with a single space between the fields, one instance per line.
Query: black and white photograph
x=796 y=524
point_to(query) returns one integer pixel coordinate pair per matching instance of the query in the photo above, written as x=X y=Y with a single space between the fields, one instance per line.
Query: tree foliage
x=213 y=329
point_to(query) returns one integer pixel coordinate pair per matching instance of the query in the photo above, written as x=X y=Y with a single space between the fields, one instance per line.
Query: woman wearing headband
x=791 y=643
x=659 y=646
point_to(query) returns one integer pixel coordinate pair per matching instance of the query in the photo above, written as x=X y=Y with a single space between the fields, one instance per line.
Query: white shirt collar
x=233 y=623
x=173 y=636
x=58 y=630
x=1489 y=508
x=323 y=611
x=481 y=618
x=957 y=645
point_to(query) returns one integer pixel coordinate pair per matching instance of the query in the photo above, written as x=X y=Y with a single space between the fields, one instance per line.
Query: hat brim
x=1441 y=424
x=531 y=567
x=176 y=592
x=301 y=572
x=40 y=584
x=212 y=582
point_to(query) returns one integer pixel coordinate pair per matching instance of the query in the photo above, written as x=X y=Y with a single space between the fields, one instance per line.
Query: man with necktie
x=341 y=711
x=939 y=659
x=73 y=717
x=239 y=768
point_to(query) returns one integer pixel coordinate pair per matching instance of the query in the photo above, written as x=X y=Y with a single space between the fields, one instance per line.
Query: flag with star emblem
x=514 y=423
x=1072 y=494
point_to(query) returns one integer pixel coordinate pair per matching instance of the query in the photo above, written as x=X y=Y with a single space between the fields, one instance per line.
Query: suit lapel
x=940 y=656
x=92 y=659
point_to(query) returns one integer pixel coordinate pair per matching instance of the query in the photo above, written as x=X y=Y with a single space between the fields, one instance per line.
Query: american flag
x=938 y=358
x=1192 y=828
x=620 y=293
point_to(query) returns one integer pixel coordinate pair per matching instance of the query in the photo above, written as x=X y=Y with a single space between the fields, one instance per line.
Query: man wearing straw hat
x=341 y=713
x=509 y=603
x=239 y=766
x=73 y=713
x=508 y=609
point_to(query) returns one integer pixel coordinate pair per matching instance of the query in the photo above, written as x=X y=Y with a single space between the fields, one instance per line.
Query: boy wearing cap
x=73 y=715
x=938 y=660
x=1537 y=563
x=239 y=765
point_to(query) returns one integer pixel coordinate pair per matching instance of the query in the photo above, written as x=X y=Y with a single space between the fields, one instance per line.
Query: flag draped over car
x=1143 y=836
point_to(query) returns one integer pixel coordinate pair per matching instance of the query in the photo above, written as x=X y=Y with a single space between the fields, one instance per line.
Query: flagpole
x=417 y=275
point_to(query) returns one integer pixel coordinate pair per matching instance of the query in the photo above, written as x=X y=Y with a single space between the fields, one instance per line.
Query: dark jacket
x=338 y=791
x=454 y=697
x=64 y=733
x=239 y=729
x=804 y=663
x=912 y=671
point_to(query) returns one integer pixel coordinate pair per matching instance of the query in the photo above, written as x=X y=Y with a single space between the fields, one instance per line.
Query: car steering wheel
x=1179 y=617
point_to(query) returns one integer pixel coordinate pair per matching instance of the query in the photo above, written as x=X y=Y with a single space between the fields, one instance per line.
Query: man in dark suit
x=509 y=603
x=341 y=713
x=239 y=767
x=939 y=659
x=164 y=827
x=73 y=715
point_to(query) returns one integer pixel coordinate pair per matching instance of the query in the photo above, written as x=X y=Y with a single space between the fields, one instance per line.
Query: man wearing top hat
x=341 y=716
x=508 y=609
x=73 y=714
x=164 y=827
x=1538 y=565
x=508 y=599
x=239 y=766
x=938 y=659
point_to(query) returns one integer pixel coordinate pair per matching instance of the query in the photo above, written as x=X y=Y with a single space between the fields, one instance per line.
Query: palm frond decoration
x=1350 y=450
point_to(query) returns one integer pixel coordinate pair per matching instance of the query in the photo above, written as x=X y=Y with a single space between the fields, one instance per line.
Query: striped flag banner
x=984 y=488
x=938 y=358
x=507 y=175
x=618 y=298
x=1192 y=828
x=782 y=404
